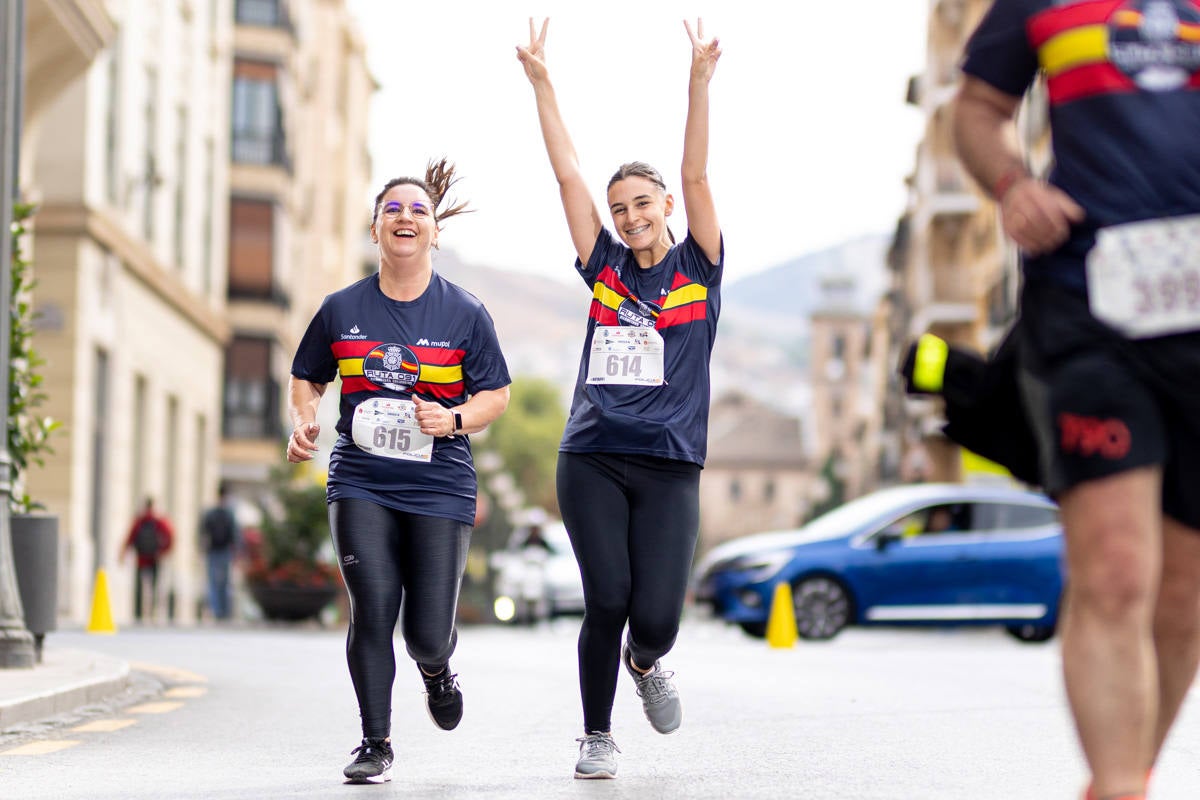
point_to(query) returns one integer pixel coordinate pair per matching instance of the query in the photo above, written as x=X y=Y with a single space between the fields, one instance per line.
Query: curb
x=65 y=681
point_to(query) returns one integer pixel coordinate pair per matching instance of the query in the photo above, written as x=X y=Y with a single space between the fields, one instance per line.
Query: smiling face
x=639 y=209
x=404 y=223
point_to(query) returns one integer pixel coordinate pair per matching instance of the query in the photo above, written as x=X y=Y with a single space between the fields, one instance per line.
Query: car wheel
x=1028 y=632
x=756 y=629
x=822 y=607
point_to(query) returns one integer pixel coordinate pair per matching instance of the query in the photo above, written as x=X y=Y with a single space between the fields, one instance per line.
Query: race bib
x=1144 y=277
x=626 y=355
x=389 y=428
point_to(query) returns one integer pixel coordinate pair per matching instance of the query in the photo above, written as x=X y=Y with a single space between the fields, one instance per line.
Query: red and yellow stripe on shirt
x=686 y=301
x=1072 y=43
x=439 y=373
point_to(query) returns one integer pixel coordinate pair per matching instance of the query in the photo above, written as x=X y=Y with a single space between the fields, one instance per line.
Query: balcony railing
x=252 y=409
x=264 y=13
x=275 y=295
x=270 y=149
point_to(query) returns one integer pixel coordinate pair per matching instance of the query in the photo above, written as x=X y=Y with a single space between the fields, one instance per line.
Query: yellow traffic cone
x=101 y=620
x=781 y=624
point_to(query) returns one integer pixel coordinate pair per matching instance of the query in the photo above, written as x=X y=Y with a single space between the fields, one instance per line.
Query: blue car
x=922 y=554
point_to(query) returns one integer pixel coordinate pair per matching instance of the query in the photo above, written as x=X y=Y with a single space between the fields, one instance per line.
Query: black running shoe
x=443 y=699
x=373 y=763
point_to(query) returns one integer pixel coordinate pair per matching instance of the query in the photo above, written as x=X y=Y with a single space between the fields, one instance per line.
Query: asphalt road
x=270 y=713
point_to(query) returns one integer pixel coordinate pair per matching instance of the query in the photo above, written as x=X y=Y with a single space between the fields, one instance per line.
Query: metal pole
x=16 y=642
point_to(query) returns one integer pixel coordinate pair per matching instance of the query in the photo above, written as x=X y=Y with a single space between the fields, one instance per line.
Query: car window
x=869 y=509
x=1012 y=515
x=947 y=518
x=551 y=537
x=933 y=520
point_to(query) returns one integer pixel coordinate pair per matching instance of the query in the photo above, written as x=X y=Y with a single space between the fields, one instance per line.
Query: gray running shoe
x=597 y=756
x=660 y=699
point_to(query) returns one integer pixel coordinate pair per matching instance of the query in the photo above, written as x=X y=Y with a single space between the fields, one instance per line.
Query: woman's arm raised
x=697 y=194
x=583 y=218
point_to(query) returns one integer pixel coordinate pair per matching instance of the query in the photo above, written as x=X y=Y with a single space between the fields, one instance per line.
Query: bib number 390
x=626 y=355
x=389 y=428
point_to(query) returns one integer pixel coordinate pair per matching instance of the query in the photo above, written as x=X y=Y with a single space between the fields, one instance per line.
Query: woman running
x=420 y=367
x=629 y=463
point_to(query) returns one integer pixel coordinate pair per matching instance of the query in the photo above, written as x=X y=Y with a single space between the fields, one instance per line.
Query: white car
x=537 y=580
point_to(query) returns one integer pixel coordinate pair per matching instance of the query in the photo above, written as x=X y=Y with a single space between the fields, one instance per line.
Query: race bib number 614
x=626 y=355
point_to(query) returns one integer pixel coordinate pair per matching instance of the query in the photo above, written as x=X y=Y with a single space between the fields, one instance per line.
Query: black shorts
x=1101 y=403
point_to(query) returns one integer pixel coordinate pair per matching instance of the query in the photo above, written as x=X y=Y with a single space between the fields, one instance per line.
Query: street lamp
x=16 y=642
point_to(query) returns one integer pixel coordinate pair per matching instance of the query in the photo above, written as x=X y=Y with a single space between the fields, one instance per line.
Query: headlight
x=762 y=566
x=504 y=608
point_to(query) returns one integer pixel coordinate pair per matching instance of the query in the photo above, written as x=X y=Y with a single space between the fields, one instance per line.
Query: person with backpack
x=150 y=537
x=220 y=537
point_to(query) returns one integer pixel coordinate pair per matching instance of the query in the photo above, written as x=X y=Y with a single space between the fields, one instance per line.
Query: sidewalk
x=65 y=680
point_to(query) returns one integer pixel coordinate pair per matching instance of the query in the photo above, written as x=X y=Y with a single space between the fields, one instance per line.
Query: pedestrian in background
x=420 y=369
x=150 y=538
x=220 y=538
x=1109 y=354
x=630 y=459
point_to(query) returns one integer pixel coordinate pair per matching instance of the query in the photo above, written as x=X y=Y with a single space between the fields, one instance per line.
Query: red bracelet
x=1006 y=182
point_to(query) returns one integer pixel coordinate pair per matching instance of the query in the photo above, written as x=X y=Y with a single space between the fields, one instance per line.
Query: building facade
x=128 y=247
x=757 y=474
x=845 y=357
x=145 y=168
x=954 y=273
x=298 y=208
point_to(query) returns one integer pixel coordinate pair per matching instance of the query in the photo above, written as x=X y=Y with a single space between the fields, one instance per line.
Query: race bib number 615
x=389 y=428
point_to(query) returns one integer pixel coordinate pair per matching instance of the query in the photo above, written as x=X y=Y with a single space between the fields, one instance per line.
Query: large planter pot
x=35 y=562
x=291 y=603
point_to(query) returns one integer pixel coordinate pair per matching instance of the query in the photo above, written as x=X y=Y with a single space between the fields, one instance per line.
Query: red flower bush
x=294 y=547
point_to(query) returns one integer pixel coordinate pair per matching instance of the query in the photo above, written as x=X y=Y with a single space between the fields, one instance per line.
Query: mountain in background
x=793 y=288
x=763 y=342
x=763 y=345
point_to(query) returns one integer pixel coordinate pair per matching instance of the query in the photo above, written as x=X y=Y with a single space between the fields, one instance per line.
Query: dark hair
x=640 y=169
x=439 y=178
x=637 y=169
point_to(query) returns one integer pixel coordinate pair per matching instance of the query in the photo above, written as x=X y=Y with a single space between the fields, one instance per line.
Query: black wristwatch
x=457 y=422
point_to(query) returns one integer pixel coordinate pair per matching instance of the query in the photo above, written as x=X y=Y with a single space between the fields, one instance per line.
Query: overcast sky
x=810 y=143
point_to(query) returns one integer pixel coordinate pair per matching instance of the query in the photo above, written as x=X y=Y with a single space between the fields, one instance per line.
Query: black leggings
x=387 y=556
x=633 y=522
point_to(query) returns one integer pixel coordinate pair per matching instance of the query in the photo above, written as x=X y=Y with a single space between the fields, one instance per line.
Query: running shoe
x=1090 y=795
x=597 y=756
x=373 y=763
x=443 y=699
x=660 y=699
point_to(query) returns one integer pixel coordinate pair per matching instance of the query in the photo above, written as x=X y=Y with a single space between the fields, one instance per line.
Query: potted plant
x=290 y=572
x=34 y=534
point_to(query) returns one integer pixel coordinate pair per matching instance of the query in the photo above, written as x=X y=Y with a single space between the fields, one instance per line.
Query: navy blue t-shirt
x=681 y=298
x=1123 y=79
x=441 y=346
